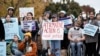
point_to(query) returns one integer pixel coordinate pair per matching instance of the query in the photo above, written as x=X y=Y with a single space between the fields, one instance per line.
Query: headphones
x=76 y=28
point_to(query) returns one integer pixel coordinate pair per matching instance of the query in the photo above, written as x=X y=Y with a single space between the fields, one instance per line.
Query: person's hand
x=78 y=39
x=74 y=40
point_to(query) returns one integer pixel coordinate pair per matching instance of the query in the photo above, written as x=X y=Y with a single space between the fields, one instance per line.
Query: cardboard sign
x=52 y=31
x=28 y=25
x=67 y=21
x=2 y=48
x=24 y=10
x=11 y=28
x=90 y=29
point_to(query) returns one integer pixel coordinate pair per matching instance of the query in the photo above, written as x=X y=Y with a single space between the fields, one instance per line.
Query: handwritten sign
x=90 y=29
x=52 y=30
x=28 y=25
x=2 y=48
x=23 y=11
x=67 y=21
x=11 y=28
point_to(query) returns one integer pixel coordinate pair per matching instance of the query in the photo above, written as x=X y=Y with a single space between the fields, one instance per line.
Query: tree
x=71 y=8
x=87 y=8
x=39 y=6
x=74 y=8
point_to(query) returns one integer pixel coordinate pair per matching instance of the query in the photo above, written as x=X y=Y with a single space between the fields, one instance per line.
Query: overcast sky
x=93 y=3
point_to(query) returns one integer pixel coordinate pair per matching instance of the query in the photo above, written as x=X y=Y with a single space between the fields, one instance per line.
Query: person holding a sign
x=55 y=44
x=31 y=25
x=76 y=37
x=28 y=46
x=98 y=20
x=91 y=40
x=67 y=24
x=45 y=43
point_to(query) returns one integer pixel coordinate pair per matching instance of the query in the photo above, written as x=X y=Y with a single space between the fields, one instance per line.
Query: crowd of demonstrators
x=32 y=44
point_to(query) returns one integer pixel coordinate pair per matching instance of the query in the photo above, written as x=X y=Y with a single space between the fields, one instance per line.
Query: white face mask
x=84 y=16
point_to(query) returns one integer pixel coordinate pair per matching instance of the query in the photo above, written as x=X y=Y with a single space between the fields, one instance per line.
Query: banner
x=11 y=28
x=67 y=21
x=28 y=25
x=24 y=10
x=52 y=31
x=90 y=29
x=2 y=48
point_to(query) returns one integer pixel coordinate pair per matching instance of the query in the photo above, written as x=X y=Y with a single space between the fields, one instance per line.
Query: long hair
x=31 y=14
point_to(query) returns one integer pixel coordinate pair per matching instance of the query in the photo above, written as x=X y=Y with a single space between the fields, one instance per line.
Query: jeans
x=17 y=52
x=55 y=47
x=76 y=48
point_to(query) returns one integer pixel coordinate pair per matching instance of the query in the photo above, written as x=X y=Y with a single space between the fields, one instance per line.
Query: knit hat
x=28 y=34
x=62 y=11
x=10 y=8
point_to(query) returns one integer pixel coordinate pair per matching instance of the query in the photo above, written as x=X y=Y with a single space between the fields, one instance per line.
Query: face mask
x=84 y=16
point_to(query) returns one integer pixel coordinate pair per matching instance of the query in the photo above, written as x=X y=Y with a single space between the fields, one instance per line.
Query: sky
x=93 y=3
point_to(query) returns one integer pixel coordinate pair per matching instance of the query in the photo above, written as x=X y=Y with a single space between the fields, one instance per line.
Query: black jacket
x=2 y=31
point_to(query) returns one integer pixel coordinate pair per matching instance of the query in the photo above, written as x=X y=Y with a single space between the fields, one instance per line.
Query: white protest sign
x=52 y=31
x=24 y=10
x=90 y=29
x=11 y=28
x=67 y=21
x=28 y=25
x=2 y=48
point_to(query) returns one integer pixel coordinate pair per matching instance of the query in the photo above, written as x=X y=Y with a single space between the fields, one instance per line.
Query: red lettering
x=45 y=30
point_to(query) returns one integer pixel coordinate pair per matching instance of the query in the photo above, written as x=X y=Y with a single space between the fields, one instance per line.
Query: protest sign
x=24 y=10
x=28 y=25
x=11 y=28
x=2 y=48
x=90 y=29
x=52 y=31
x=67 y=21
